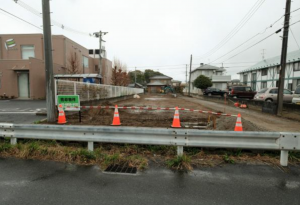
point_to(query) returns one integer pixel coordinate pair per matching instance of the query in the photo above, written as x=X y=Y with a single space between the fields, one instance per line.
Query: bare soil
x=158 y=118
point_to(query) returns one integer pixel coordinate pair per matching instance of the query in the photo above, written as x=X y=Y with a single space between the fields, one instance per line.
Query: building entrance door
x=23 y=83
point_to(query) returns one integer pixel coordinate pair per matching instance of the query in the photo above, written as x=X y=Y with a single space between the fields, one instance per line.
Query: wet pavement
x=45 y=182
x=21 y=111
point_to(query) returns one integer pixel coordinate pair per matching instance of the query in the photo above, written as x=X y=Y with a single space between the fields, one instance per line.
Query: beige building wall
x=11 y=63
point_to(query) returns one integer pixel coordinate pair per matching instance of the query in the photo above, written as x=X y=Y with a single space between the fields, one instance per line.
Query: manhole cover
x=120 y=169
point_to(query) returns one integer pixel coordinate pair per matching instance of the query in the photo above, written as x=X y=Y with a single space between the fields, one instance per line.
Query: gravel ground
x=257 y=120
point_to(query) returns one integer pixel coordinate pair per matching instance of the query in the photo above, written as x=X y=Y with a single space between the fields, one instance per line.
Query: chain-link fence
x=88 y=91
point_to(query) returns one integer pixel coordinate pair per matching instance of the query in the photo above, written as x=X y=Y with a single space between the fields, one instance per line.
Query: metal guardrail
x=281 y=141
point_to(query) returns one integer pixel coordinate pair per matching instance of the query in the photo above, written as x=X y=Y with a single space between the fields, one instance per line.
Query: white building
x=216 y=74
x=265 y=74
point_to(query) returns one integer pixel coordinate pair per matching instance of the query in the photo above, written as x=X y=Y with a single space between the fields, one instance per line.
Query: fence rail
x=281 y=141
x=89 y=91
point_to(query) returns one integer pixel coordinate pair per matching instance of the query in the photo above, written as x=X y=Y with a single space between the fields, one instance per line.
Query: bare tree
x=73 y=67
x=119 y=77
x=119 y=64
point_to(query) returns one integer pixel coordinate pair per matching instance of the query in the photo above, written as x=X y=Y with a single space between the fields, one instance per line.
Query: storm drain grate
x=120 y=169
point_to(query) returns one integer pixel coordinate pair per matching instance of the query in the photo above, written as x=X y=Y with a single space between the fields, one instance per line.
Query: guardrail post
x=13 y=140
x=91 y=146
x=284 y=156
x=179 y=150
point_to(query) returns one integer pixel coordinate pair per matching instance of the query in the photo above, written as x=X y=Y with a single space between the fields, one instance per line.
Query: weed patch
x=180 y=163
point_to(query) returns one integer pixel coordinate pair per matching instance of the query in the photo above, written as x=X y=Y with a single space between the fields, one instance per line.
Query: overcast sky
x=162 y=34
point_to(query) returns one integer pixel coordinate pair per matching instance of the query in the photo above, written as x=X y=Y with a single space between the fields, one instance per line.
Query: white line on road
x=17 y=112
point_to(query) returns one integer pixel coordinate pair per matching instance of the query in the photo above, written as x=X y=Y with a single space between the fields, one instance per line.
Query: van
x=242 y=92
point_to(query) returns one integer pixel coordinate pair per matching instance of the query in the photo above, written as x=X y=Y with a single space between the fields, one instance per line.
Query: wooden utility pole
x=283 y=57
x=186 y=74
x=190 y=75
x=50 y=93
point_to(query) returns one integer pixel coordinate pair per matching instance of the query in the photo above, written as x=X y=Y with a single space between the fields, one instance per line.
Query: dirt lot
x=160 y=118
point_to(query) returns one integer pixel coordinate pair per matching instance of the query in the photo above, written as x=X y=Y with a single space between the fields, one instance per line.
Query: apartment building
x=22 y=67
x=265 y=73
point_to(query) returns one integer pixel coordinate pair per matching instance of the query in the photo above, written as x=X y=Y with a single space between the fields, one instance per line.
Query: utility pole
x=134 y=76
x=283 y=57
x=190 y=75
x=186 y=74
x=99 y=35
x=50 y=96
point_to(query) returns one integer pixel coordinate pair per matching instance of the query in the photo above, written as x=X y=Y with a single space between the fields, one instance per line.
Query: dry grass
x=136 y=155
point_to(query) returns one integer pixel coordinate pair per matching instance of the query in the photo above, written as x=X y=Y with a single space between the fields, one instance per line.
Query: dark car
x=242 y=92
x=214 y=91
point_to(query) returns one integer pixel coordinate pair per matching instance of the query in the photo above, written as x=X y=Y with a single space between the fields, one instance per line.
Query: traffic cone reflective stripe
x=238 y=124
x=61 y=115
x=116 y=120
x=176 y=120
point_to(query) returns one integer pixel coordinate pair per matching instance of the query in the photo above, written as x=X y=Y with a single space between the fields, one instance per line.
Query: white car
x=296 y=96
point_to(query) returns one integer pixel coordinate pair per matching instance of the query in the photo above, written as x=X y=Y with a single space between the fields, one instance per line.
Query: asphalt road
x=21 y=111
x=43 y=182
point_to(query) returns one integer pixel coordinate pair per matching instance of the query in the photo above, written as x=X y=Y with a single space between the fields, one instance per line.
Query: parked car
x=241 y=92
x=296 y=96
x=270 y=95
x=214 y=91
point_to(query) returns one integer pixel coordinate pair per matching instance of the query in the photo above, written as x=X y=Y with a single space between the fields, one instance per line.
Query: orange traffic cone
x=116 y=120
x=238 y=124
x=61 y=115
x=176 y=121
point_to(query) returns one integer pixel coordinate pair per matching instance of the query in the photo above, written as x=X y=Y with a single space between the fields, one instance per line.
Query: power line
x=54 y=22
x=241 y=45
x=295 y=38
x=20 y=18
x=258 y=42
x=240 y=25
x=260 y=32
x=252 y=37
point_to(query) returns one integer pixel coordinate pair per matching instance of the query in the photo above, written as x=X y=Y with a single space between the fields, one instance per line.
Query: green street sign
x=69 y=102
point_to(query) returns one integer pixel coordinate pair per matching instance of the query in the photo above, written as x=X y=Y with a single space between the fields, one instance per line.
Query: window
x=263 y=85
x=297 y=91
x=27 y=51
x=285 y=91
x=85 y=62
x=240 y=88
x=253 y=76
x=245 y=78
x=290 y=86
x=274 y=91
x=296 y=66
x=248 y=89
x=263 y=90
x=253 y=85
x=298 y=81
x=264 y=72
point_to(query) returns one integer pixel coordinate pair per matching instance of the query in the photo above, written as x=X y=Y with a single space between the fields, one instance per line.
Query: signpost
x=69 y=102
